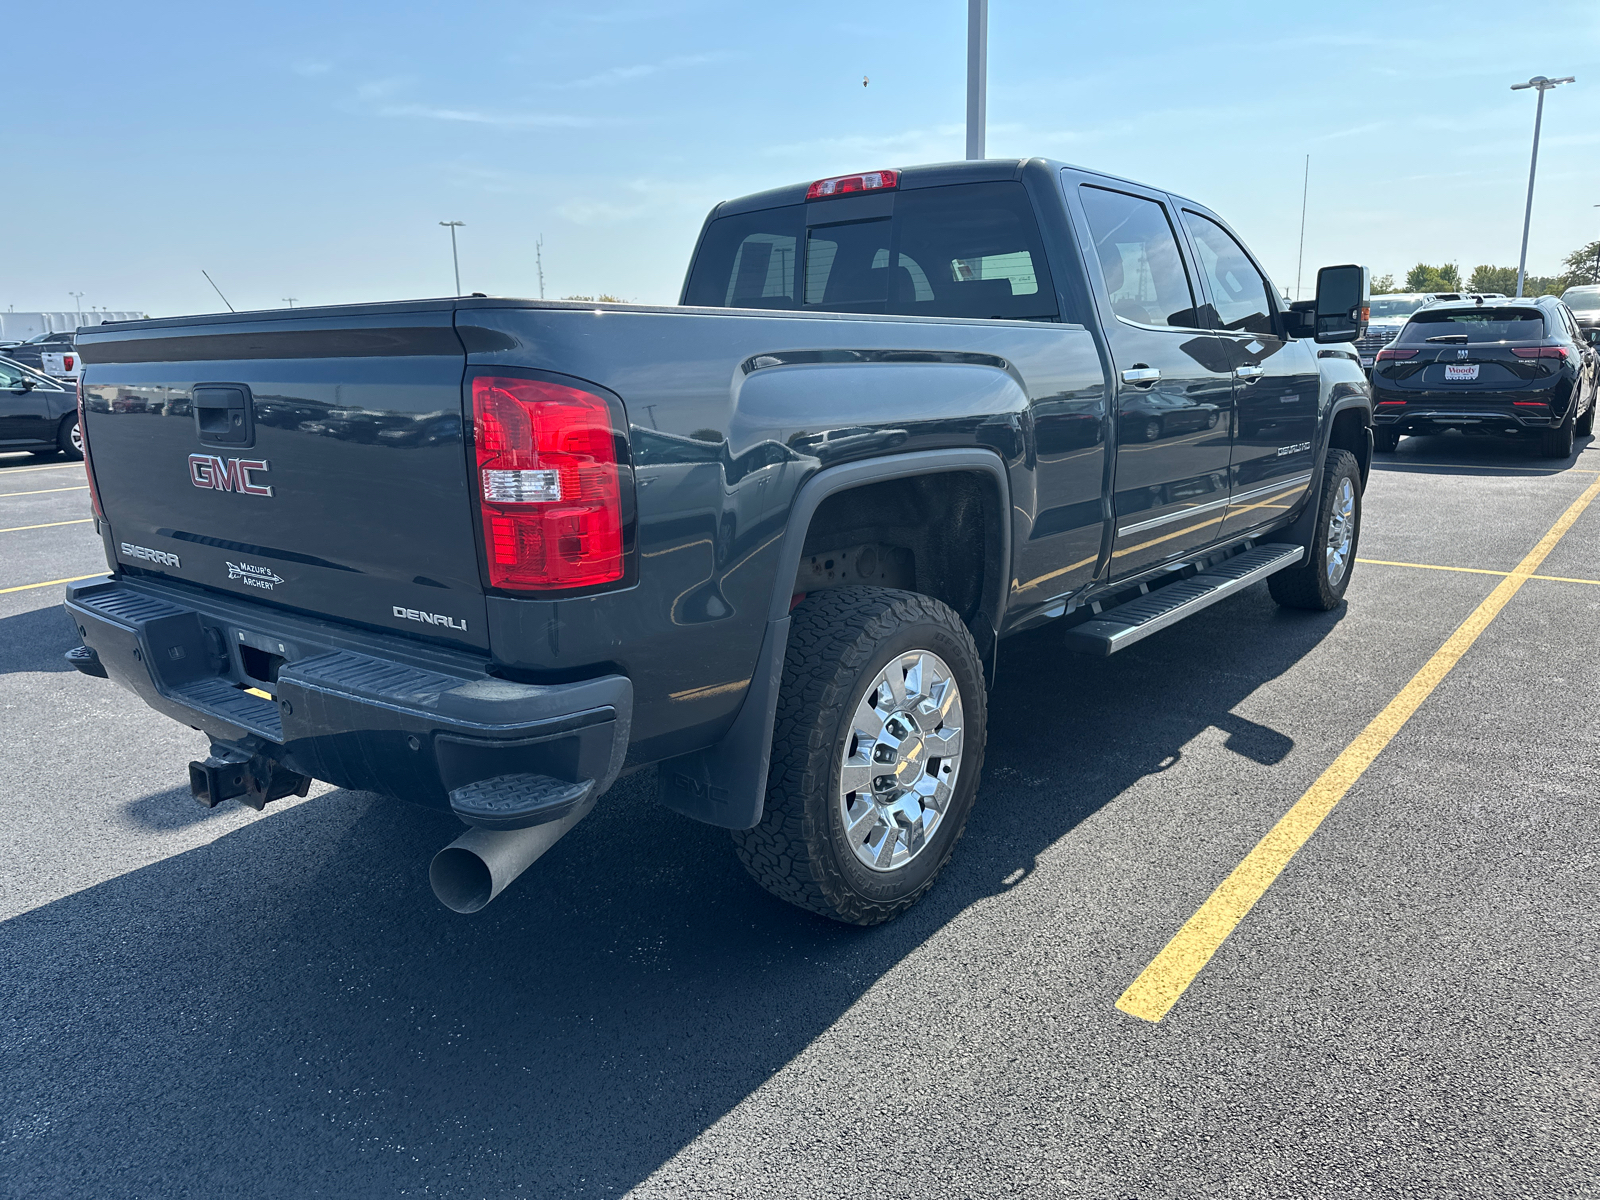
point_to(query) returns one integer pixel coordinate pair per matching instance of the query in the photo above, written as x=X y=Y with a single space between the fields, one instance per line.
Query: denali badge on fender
x=412 y=614
x=228 y=474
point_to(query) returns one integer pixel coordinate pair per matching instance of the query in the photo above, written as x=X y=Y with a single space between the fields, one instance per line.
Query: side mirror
x=1343 y=297
x=1592 y=336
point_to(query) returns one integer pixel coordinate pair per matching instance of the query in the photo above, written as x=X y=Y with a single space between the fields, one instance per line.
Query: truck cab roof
x=922 y=176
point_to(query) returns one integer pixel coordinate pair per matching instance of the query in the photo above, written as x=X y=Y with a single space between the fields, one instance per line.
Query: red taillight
x=66 y=362
x=1386 y=355
x=1531 y=403
x=548 y=484
x=840 y=185
x=1539 y=352
x=1381 y=403
x=88 y=467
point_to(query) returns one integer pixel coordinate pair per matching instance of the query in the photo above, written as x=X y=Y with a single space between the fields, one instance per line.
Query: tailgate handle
x=222 y=415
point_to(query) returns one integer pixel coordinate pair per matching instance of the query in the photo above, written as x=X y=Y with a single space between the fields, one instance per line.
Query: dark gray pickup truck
x=489 y=554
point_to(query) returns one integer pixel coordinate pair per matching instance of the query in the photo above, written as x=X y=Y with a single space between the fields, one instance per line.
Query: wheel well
x=936 y=534
x=1350 y=433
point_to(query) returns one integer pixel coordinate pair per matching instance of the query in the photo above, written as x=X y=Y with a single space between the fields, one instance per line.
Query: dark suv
x=1509 y=367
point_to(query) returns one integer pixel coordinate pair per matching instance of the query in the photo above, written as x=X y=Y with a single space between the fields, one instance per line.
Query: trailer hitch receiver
x=253 y=779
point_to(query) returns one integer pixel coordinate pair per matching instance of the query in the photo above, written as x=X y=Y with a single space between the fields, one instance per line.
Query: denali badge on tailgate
x=228 y=474
x=412 y=614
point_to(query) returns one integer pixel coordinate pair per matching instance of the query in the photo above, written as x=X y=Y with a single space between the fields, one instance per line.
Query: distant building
x=20 y=326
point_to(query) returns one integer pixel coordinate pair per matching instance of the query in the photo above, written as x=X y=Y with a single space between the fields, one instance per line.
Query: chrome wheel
x=902 y=759
x=1341 y=530
x=76 y=437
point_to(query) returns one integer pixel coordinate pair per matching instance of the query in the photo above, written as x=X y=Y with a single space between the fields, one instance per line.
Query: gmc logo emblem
x=228 y=474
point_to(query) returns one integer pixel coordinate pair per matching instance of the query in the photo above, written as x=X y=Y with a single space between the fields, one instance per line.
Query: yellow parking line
x=26 y=587
x=1160 y=984
x=1490 y=467
x=1378 y=562
x=47 y=525
x=42 y=491
x=4 y=471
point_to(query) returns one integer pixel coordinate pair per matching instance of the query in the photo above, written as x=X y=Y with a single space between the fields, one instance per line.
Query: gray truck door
x=1172 y=378
x=1276 y=383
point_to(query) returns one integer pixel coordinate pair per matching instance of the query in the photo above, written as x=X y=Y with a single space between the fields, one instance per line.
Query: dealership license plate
x=1462 y=373
x=1366 y=362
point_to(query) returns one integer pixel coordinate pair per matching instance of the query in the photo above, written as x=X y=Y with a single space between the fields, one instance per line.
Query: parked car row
x=37 y=413
x=51 y=353
x=1390 y=313
x=1513 y=368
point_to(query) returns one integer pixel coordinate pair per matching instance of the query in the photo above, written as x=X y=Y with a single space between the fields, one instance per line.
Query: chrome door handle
x=1141 y=375
x=1249 y=374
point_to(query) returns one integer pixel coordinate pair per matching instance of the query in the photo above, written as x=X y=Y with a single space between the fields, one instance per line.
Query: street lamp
x=455 y=225
x=78 y=296
x=977 y=75
x=1544 y=85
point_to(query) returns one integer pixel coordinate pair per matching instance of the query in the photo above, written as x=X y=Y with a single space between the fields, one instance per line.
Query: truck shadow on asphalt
x=36 y=640
x=287 y=1010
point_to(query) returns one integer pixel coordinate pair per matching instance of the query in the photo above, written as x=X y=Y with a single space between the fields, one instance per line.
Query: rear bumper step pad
x=1136 y=620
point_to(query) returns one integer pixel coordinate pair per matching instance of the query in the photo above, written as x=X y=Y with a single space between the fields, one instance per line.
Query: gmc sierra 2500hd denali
x=488 y=554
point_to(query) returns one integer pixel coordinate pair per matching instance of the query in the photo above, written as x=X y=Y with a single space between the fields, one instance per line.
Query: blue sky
x=309 y=149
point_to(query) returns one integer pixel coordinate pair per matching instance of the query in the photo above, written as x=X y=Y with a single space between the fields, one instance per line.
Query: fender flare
x=726 y=783
x=1301 y=529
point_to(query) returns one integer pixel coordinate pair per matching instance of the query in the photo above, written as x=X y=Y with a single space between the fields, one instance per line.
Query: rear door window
x=1146 y=280
x=1476 y=325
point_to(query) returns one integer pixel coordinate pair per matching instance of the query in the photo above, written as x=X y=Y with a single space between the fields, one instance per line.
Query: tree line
x=1582 y=267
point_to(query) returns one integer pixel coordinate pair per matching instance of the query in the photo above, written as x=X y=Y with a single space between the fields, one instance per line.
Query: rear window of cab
x=1477 y=324
x=964 y=250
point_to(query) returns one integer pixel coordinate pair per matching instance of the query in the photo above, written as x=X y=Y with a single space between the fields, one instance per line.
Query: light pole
x=453 y=226
x=78 y=297
x=1544 y=85
x=977 y=75
x=289 y=300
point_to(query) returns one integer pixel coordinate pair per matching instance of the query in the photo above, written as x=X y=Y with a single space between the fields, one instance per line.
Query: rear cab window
x=959 y=250
x=1475 y=325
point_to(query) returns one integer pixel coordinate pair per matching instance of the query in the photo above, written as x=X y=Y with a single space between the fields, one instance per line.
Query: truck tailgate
x=314 y=462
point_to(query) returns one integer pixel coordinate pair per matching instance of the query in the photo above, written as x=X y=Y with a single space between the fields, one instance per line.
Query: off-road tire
x=1557 y=442
x=64 y=442
x=839 y=640
x=1385 y=441
x=1307 y=586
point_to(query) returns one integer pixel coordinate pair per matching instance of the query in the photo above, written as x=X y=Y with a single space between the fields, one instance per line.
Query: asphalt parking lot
x=224 y=1003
